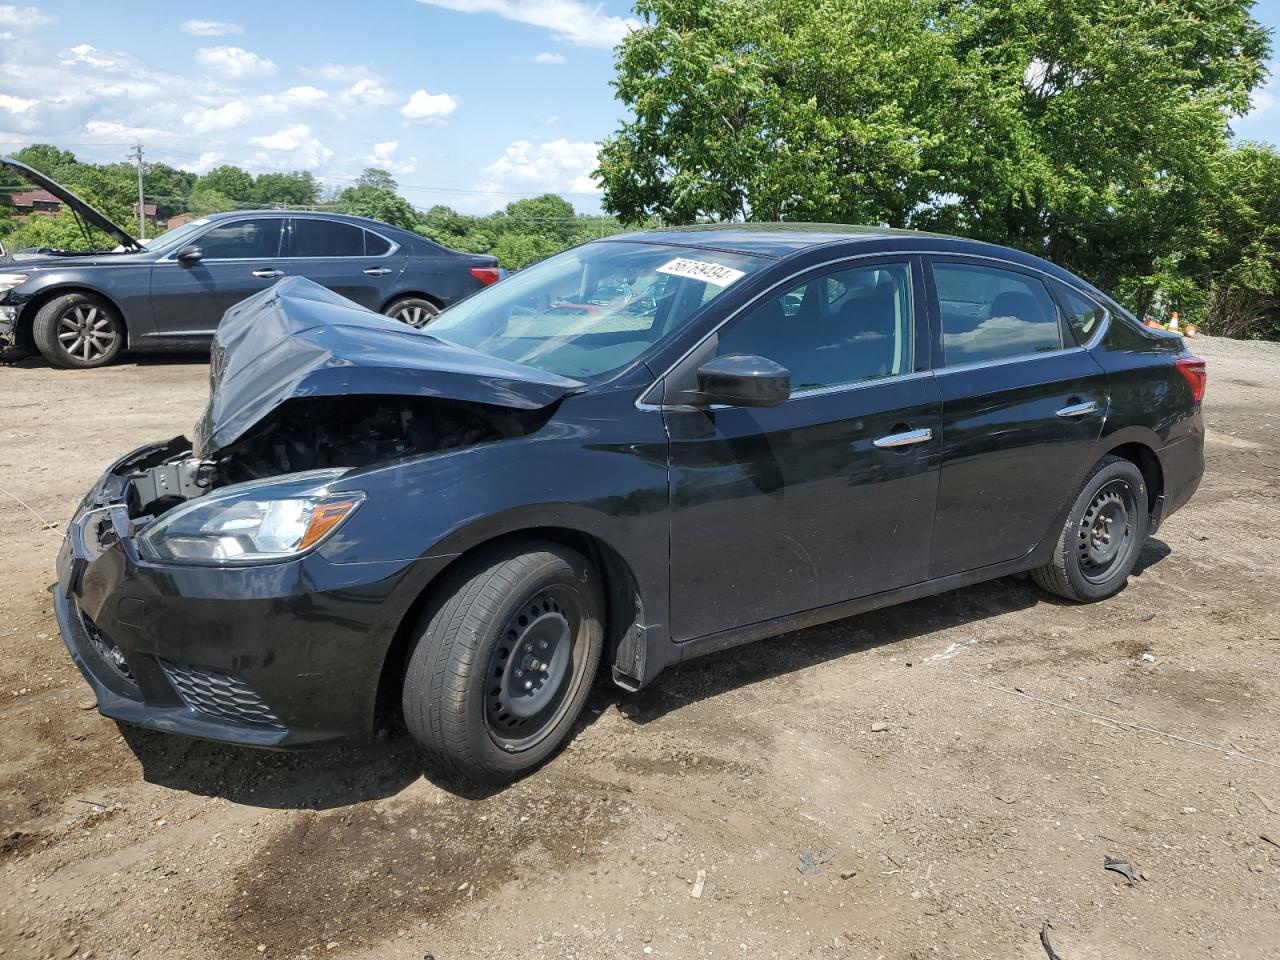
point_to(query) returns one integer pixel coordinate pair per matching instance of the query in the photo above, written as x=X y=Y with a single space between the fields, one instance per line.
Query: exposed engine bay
x=314 y=433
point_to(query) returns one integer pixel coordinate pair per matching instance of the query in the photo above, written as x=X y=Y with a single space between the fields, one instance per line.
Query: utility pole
x=142 y=207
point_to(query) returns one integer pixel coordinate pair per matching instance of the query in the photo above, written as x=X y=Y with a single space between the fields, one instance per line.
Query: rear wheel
x=415 y=311
x=78 y=330
x=505 y=660
x=1104 y=533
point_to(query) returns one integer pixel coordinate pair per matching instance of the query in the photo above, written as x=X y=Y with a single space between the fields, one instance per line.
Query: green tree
x=298 y=188
x=203 y=199
x=377 y=179
x=374 y=195
x=1069 y=128
x=230 y=182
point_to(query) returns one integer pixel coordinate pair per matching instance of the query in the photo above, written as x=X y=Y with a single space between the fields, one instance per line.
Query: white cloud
x=562 y=166
x=426 y=107
x=111 y=130
x=384 y=156
x=231 y=114
x=303 y=147
x=16 y=104
x=87 y=55
x=234 y=62
x=203 y=164
x=1264 y=100
x=368 y=92
x=303 y=95
x=341 y=72
x=549 y=58
x=576 y=22
x=22 y=18
x=211 y=28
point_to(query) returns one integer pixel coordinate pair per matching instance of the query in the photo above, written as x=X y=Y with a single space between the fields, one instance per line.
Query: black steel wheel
x=78 y=330
x=413 y=311
x=507 y=652
x=1099 y=544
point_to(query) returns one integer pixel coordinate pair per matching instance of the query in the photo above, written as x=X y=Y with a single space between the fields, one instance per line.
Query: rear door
x=1022 y=407
x=240 y=258
x=828 y=496
x=359 y=264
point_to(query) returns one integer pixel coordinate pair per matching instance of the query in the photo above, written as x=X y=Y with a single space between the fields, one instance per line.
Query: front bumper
x=278 y=655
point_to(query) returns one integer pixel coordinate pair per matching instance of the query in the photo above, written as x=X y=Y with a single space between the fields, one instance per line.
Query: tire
x=469 y=703
x=414 y=311
x=78 y=331
x=1104 y=533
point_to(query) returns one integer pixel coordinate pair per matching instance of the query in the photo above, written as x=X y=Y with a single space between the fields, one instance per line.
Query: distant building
x=41 y=202
x=179 y=219
x=148 y=208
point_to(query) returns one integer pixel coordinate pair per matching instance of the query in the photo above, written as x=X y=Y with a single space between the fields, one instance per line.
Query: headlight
x=10 y=280
x=257 y=522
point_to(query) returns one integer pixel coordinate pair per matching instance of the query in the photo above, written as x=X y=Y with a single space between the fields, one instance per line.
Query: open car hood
x=298 y=339
x=81 y=206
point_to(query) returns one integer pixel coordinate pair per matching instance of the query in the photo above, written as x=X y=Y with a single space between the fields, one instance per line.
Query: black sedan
x=84 y=309
x=642 y=450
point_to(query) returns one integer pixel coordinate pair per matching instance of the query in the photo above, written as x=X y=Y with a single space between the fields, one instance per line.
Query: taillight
x=1193 y=369
x=485 y=275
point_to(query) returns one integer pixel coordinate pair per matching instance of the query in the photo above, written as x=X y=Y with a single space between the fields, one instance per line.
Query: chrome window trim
x=882 y=254
x=395 y=247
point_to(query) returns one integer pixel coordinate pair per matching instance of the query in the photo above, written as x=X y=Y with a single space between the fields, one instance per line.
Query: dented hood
x=298 y=339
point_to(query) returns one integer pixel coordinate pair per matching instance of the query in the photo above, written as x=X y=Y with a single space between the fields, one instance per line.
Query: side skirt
x=725 y=639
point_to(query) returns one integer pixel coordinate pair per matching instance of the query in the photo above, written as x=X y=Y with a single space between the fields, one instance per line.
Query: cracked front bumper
x=278 y=655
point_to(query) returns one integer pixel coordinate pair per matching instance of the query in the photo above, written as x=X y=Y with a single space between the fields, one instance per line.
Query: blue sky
x=468 y=102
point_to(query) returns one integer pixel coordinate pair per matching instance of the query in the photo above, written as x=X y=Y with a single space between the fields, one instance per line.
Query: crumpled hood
x=298 y=339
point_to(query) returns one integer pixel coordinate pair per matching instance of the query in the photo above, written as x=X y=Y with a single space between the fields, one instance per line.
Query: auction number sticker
x=715 y=273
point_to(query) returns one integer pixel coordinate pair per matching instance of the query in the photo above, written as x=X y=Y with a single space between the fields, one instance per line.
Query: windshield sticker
x=715 y=273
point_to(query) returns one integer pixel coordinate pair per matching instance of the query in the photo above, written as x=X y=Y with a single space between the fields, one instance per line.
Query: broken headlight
x=10 y=280
x=256 y=522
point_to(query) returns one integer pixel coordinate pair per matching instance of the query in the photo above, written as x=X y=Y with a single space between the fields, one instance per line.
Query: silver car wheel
x=86 y=332
x=417 y=314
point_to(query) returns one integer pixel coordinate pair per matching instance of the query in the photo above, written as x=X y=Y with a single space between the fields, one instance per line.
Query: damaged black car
x=639 y=451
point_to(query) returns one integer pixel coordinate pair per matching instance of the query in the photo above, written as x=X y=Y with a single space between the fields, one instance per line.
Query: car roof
x=782 y=240
x=319 y=214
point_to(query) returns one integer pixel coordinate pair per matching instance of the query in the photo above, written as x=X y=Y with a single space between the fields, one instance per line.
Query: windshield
x=593 y=309
x=176 y=235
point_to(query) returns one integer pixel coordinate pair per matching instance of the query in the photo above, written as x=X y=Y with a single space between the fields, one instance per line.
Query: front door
x=349 y=260
x=238 y=259
x=1022 y=407
x=829 y=496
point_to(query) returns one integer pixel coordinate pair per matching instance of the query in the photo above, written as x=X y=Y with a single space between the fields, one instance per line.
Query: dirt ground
x=1023 y=741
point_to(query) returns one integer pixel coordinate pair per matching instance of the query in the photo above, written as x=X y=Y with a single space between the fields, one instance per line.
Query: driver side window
x=842 y=327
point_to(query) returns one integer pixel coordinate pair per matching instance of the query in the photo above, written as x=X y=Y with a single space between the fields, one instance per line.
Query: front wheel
x=78 y=330
x=504 y=661
x=414 y=311
x=1104 y=533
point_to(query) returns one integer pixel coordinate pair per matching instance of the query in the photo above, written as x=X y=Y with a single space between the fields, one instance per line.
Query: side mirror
x=742 y=380
x=189 y=254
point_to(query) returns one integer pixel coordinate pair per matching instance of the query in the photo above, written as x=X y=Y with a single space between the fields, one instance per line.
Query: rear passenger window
x=840 y=328
x=1083 y=315
x=990 y=314
x=326 y=238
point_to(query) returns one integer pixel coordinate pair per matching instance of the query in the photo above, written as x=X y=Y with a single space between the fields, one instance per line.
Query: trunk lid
x=298 y=339
x=78 y=204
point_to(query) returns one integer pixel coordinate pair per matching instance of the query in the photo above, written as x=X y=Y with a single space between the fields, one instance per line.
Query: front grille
x=220 y=695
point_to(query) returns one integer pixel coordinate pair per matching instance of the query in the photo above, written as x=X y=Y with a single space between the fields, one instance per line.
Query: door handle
x=1078 y=409
x=907 y=439
x=377 y=271
x=267 y=273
